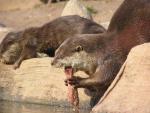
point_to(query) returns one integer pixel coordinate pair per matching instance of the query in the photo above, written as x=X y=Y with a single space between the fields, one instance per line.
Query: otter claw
x=73 y=82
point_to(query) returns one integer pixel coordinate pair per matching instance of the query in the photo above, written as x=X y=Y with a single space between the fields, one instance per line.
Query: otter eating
x=84 y=53
x=101 y=55
x=46 y=39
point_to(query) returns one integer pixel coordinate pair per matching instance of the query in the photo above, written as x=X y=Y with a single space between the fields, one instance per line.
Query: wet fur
x=129 y=27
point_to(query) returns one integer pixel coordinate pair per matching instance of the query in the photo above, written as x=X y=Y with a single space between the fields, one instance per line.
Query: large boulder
x=74 y=7
x=130 y=91
x=37 y=82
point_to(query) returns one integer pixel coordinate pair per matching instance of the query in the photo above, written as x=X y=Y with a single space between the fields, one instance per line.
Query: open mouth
x=68 y=70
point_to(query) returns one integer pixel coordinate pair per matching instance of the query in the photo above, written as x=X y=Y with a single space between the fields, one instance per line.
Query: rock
x=36 y=82
x=105 y=24
x=129 y=92
x=74 y=7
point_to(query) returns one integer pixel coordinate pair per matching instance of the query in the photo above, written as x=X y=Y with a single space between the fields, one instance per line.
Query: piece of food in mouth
x=72 y=92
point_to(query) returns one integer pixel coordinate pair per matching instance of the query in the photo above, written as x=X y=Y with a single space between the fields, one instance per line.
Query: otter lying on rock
x=101 y=55
x=25 y=44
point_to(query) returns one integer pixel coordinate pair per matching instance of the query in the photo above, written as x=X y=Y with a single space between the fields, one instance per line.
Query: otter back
x=46 y=38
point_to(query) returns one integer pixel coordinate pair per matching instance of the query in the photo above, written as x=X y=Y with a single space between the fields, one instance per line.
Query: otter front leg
x=84 y=82
x=27 y=52
x=104 y=75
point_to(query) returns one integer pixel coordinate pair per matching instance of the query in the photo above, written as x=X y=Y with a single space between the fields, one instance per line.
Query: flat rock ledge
x=37 y=82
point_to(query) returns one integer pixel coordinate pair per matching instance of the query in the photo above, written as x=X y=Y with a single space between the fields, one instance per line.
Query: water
x=13 y=107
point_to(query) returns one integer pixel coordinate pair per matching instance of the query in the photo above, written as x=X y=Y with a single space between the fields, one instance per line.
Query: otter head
x=78 y=53
x=9 y=48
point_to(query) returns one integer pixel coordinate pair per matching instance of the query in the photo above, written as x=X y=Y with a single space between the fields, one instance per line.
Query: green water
x=13 y=107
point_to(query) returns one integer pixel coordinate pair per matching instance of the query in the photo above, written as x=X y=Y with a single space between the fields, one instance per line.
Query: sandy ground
x=21 y=14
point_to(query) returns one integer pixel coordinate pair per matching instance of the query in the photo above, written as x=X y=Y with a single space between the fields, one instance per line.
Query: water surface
x=14 y=107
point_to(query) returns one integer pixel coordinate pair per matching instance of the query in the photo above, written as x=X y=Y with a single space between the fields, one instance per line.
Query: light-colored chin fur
x=79 y=61
x=11 y=54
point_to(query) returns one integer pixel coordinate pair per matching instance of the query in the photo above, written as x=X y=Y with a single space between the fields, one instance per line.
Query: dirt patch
x=38 y=14
x=7 y=5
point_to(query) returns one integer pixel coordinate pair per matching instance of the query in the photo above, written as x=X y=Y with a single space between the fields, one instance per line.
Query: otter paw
x=75 y=82
x=15 y=66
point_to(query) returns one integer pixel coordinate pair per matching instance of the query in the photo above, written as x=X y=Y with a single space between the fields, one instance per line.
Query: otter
x=25 y=44
x=101 y=55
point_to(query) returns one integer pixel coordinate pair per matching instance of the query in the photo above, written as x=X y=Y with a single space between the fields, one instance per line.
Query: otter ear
x=78 y=48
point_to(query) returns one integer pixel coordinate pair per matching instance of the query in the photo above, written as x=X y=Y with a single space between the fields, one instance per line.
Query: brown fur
x=24 y=44
x=51 y=1
x=101 y=55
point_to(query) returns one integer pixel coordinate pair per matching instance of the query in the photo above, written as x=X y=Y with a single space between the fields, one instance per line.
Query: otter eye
x=78 y=48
